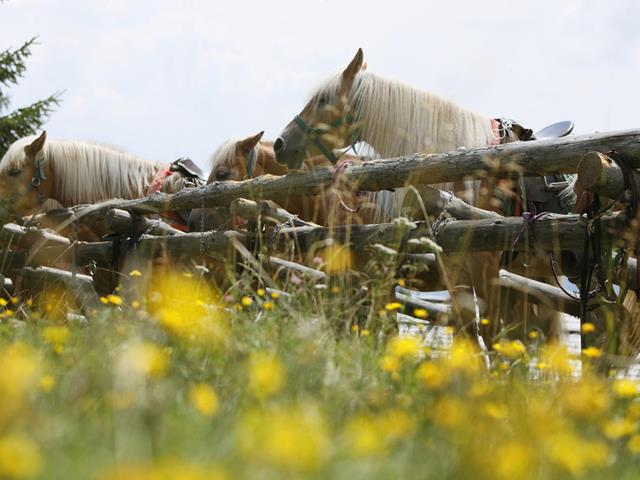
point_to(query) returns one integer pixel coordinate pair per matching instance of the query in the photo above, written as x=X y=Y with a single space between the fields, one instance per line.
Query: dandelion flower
x=204 y=398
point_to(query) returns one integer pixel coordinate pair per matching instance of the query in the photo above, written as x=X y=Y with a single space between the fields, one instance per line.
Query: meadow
x=175 y=380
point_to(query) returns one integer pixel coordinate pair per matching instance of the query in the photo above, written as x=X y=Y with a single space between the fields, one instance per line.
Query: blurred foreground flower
x=167 y=469
x=204 y=398
x=337 y=259
x=293 y=439
x=188 y=309
x=144 y=358
x=266 y=374
x=19 y=457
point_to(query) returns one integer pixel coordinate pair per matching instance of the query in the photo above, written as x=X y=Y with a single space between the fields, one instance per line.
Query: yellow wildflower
x=634 y=444
x=449 y=412
x=588 y=327
x=389 y=363
x=337 y=259
x=355 y=328
x=485 y=321
x=145 y=359
x=591 y=352
x=56 y=335
x=204 y=398
x=433 y=375
x=3 y=302
x=567 y=450
x=421 y=312
x=510 y=349
x=182 y=307
x=135 y=273
x=114 y=299
x=393 y=306
x=404 y=347
x=556 y=357
x=246 y=301
x=104 y=300
x=47 y=382
x=266 y=374
x=275 y=295
x=364 y=332
x=268 y=305
x=533 y=335
x=625 y=388
x=19 y=457
x=294 y=439
x=261 y=292
x=335 y=289
x=513 y=460
x=135 y=304
x=364 y=437
x=396 y=424
x=618 y=428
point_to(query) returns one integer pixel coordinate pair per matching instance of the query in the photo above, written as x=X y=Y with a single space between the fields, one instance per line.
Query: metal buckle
x=35 y=181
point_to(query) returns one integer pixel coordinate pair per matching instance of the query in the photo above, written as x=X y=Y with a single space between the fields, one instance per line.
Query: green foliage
x=26 y=120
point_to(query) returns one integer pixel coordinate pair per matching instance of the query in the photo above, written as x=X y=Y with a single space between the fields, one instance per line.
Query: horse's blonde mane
x=226 y=153
x=397 y=119
x=87 y=172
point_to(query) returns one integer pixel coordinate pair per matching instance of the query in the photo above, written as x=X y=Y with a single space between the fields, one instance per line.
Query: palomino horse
x=251 y=157
x=36 y=171
x=396 y=119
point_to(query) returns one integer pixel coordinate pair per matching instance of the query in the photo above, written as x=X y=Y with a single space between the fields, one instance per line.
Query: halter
x=315 y=135
x=251 y=157
x=38 y=176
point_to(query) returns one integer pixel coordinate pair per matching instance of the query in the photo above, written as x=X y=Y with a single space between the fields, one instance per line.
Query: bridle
x=251 y=157
x=39 y=176
x=315 y=135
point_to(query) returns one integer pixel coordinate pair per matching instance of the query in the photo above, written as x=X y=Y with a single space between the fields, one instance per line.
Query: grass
x=173 y=380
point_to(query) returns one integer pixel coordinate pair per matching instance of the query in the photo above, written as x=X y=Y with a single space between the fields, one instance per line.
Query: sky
x=164 y=79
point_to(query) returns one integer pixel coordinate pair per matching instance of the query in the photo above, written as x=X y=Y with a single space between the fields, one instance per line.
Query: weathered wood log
x=600 y=174
x=27 y=237
x=536 y=158
x=539 y=292
x=121 y=221
x=314 y=274
x=252 y=210
x=551 y=232
x=81 y=286
x=436 y=201
x=189 y=245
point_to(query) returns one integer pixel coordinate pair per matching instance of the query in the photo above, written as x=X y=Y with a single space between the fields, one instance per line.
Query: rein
x=315 y=135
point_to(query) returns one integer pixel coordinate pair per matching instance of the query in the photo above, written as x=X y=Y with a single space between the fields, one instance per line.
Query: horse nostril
x=278 y=145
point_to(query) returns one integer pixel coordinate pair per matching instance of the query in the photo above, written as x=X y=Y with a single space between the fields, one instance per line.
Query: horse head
x=237 y=159
x=326 y=121
x=25 y=175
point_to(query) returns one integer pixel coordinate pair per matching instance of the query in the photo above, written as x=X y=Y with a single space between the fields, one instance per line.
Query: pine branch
x=12 y=63
x=26 y=121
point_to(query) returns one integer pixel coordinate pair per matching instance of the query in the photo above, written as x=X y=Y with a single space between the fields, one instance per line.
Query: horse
x=397 y=119
x=238 y=159
x=36 y=172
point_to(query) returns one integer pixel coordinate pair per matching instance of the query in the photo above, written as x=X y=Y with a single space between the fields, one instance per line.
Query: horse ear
x=37 y=145
x=250 y=142
x=354 y=67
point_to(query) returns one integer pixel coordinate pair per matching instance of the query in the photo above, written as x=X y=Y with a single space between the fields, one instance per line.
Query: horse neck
x=87 y=173
x=267 y=160
x=397 y=119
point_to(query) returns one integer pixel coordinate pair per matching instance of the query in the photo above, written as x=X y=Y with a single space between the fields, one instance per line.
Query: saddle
x=549 y=193
x=188 y=169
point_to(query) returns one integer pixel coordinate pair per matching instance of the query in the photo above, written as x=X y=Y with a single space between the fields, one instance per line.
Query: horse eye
x=14 y=172
x=222 y=175
x=322 y=100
